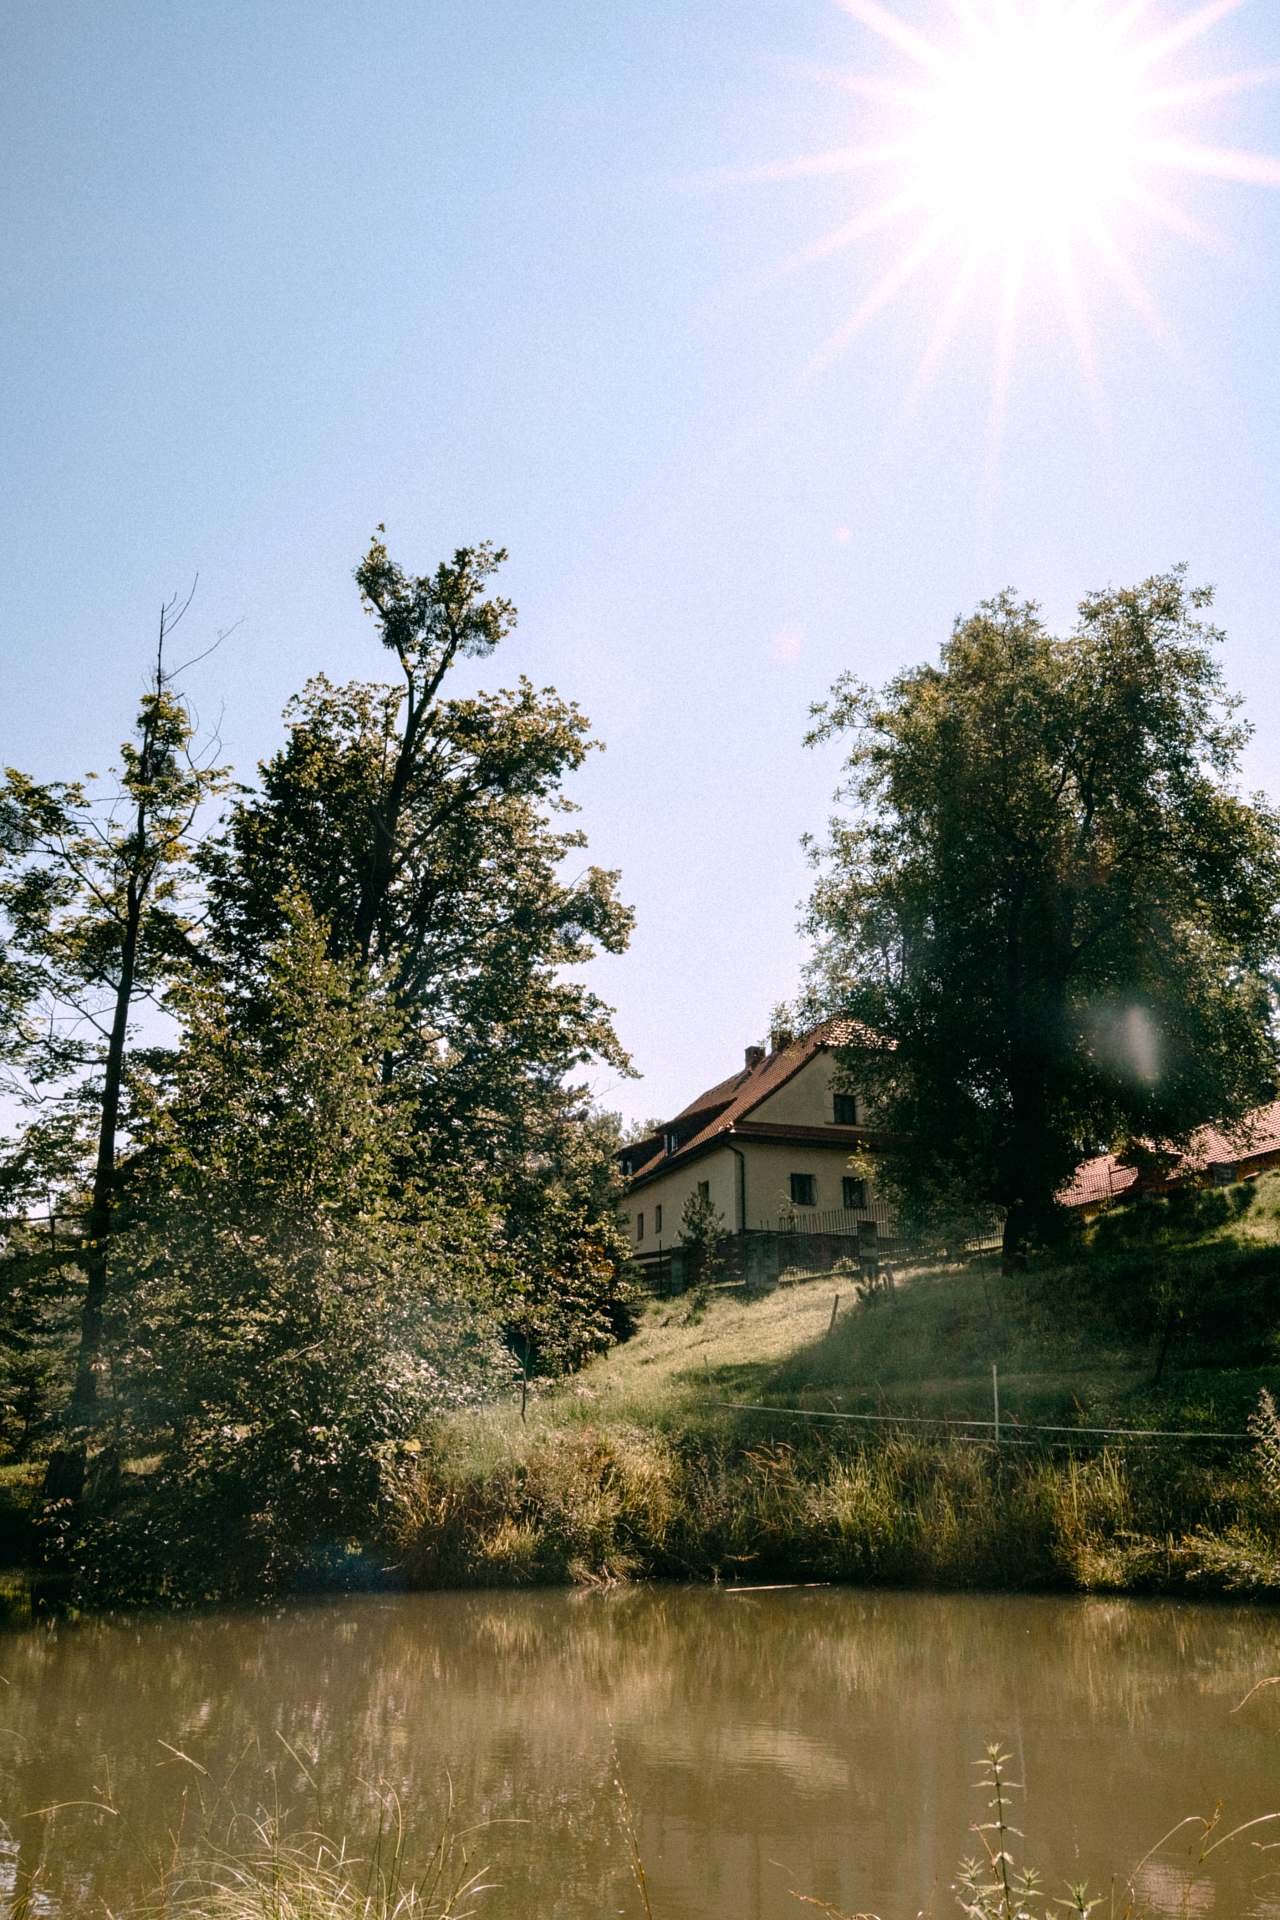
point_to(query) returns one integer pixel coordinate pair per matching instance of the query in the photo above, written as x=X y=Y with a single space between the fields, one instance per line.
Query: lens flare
x=1022 y=150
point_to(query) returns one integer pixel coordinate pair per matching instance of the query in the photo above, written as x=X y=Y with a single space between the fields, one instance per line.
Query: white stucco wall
x=806 y=1099
x=769 y=1166
x=670 y=1192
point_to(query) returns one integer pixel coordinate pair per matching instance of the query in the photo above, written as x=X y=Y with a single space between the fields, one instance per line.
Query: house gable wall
x=769 y=1165
x=806 y=1099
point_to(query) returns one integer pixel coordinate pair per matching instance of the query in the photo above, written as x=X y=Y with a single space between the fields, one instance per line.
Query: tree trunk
x=386 y=825
x=65 y=1474
x=1015 y=1238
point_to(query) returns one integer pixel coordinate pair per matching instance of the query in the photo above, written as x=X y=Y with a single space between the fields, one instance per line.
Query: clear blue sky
x=276 y=273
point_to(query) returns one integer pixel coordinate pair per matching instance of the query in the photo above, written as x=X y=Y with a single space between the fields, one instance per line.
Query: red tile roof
x=1107 y=1177
x=720 y=1109
x=1097 y=1181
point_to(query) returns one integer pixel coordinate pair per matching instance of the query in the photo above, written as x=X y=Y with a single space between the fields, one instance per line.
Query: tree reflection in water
x=790 y=1739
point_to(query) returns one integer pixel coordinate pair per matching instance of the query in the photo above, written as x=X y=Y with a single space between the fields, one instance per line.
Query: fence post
x=995 y=1400
x=835 y=1308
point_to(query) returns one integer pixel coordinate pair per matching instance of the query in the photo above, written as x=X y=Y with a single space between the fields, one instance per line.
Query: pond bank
x=705 y=1448
x=593 y=1505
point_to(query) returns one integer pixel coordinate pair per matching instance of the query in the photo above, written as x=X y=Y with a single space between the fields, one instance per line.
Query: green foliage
x=93 y=904
x=1048 y=897
x=423 y=831
x=701 y=1228
x=289 y=1312
x=649 y=1463
x=564 y=1287
x=19 y=1501
x=571 y=1498
x=422 y=828
x=94 y=901
x=1264 y=1425
x=359 y=1176
x=37 y=1303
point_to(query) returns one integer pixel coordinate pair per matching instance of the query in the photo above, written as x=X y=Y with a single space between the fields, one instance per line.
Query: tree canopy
x=303 y=1097
x=426 y=829
x=1048 y=895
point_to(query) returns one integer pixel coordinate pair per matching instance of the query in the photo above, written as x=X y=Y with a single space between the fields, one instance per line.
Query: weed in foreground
x=272 y=1866
x=996 y=1887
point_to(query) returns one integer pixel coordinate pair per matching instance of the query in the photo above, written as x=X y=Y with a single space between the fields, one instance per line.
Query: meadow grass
x=592 y=1504
x=677 y=1455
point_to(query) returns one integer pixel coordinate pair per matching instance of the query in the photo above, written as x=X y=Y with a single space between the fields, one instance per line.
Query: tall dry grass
x=594 y=1504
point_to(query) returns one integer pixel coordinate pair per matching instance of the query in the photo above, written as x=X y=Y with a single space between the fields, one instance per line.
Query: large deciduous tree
x=1047 y=892
x=423 y=828
x=426 y=829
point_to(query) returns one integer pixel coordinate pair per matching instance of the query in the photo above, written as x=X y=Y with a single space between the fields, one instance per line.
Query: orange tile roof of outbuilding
x=1107 y=1177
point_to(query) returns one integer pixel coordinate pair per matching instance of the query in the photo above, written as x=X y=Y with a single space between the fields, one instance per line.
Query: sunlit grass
x=677 y=1455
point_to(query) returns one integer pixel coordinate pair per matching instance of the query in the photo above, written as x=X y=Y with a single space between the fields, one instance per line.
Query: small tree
x=564 y=1289
x=1049 y=899
x=91 y=892
x=701 y=1228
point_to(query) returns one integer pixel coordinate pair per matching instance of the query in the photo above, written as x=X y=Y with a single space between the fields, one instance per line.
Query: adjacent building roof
x=723 y=1109
x=1108 y=1178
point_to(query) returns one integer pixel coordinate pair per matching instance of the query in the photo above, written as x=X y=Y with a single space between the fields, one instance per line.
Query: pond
x=813 y=1741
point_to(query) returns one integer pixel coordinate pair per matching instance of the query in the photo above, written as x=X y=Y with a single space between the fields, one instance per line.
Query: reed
x=273 y=1866
x=312 y=1878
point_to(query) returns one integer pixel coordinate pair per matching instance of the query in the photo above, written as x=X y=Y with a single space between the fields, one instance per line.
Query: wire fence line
x=996 y=1431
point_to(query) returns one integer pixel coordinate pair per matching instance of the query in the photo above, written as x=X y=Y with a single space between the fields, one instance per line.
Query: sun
x=1029 y=132
x=1020 y=141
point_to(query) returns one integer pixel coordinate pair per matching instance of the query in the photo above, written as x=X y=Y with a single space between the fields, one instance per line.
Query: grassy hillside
x=1167 y=1316
x=680 y=1453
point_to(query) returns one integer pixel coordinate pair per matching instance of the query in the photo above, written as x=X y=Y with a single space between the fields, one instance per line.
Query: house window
x=657 y=1219
x=639 y=1226
x=846 y=1110
x=855 y=1192
x=673 y=1142
x=803 y=1192
x=704 y=1189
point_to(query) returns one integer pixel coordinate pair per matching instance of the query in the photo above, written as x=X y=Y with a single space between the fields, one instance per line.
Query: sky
x=556 y=277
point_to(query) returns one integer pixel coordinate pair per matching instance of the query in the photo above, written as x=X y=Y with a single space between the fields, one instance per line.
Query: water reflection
x=814 y=1740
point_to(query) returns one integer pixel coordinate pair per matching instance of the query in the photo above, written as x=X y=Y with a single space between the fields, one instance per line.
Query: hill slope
x=685 y=1451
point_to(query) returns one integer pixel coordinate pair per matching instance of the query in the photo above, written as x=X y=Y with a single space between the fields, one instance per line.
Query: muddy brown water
x=814 y=1741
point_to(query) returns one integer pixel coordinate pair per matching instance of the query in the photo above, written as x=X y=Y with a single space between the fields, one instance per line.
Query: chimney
x=754 y=1056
